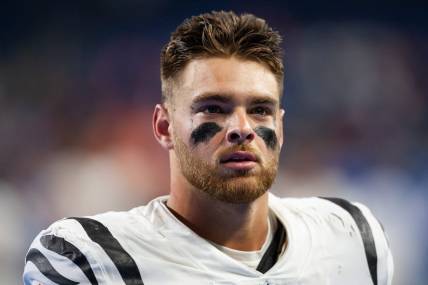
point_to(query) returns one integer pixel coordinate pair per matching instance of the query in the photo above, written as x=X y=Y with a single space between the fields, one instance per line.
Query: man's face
x=227 y=127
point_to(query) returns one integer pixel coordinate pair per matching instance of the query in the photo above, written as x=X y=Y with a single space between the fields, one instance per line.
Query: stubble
x=229 y=186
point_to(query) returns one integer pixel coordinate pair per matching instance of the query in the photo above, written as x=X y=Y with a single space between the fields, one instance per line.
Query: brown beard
x=228 y=186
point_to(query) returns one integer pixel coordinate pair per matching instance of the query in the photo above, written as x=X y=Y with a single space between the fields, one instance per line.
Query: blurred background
x=79 y=79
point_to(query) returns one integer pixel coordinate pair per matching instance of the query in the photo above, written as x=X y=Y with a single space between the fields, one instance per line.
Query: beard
x=227 y=185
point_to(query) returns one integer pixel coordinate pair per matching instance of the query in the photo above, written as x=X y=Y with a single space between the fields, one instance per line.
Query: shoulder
x=328 y=210
x=342 y=222
x=57 y=253
x=72 y=250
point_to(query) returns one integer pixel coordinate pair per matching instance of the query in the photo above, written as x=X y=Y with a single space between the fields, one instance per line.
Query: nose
x=240 y=130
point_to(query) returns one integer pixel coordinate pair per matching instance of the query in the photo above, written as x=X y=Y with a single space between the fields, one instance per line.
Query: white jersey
x=329 y=241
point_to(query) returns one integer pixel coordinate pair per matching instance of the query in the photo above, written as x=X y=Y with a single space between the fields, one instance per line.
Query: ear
x=281 y=127
x=161 y=128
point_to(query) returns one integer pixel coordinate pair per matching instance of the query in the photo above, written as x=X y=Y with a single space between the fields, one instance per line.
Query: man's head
x=221 y=120
x=220 y=34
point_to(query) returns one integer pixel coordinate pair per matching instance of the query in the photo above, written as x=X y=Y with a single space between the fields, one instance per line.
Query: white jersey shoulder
x=148 y=245
x=347 y=240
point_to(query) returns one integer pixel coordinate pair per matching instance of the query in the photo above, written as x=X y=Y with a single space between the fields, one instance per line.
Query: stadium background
x=78 y=81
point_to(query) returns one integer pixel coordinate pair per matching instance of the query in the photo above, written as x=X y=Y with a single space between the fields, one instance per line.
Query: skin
x=204 y=132
x=268 y=135
x=244 y=111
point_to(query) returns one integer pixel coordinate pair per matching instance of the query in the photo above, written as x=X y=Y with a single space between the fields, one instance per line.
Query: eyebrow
x=226 y=98
x=264 y=101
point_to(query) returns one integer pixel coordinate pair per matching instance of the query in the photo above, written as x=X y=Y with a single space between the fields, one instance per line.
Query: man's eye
x=212 y=109
x=262 y=111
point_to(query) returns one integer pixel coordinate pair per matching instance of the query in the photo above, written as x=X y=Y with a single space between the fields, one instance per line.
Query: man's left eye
x=262 y=111
x=212 y=109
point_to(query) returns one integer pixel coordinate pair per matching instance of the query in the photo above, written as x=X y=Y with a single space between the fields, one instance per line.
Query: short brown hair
x=220 y=34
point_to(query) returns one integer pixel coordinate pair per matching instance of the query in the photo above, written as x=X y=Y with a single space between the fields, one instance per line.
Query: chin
x=238 y=190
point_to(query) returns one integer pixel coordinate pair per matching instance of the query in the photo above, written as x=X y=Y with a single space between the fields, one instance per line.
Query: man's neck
x=237 y=226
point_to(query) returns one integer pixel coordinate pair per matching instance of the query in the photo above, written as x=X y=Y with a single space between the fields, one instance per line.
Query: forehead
x=232 y=77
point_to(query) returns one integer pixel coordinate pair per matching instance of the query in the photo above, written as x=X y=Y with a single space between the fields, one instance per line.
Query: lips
x=239 y=156
x=239 y=161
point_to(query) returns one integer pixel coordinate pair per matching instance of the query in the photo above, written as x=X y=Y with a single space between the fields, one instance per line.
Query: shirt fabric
x=329 y=242
x=252 y=258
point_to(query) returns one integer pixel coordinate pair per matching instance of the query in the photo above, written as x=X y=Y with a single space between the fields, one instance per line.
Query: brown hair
x=220 y=34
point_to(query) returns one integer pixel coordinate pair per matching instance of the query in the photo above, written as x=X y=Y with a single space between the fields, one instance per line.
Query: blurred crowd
x=76 y=101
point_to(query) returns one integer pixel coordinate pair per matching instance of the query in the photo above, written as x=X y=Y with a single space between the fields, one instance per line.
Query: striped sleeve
x=385 y=265
x=60 y=255
x=376 y=246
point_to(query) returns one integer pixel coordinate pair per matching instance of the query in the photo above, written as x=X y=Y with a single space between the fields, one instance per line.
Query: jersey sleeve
x=60 y=255
x=374 y=240
x=385 y=265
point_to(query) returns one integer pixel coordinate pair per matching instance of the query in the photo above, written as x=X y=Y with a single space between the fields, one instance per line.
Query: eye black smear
x=204 y=132
x=268 y=135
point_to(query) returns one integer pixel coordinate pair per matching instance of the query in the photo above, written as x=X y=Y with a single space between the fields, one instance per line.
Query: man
x=221 y=122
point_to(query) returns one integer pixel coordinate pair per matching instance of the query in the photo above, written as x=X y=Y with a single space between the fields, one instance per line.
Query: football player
x=221 y=122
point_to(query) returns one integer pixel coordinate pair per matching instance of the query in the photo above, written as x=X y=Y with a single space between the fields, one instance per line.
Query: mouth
x=239 y=160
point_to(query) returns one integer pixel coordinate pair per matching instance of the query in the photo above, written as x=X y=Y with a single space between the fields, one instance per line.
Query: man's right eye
x=212 y=109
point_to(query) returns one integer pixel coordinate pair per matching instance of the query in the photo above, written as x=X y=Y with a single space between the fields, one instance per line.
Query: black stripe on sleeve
x=46 y=268
x=124 y=263
x=66 y=249
x=366 y=233
x=274 y=250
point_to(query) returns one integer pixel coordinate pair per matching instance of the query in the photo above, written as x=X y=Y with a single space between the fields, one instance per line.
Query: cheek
x=268 y=135
x=204 y=132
